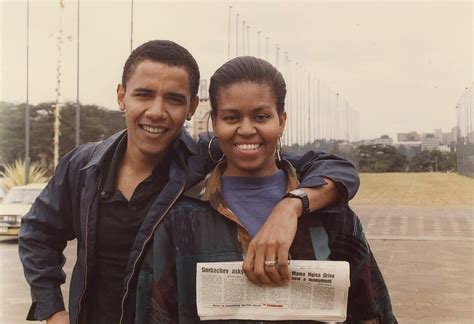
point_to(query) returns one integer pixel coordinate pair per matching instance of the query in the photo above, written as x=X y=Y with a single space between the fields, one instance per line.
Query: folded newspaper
x=317 y=291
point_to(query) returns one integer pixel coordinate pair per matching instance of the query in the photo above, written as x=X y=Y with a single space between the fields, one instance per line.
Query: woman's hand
x=272 y=243
x=273 y=240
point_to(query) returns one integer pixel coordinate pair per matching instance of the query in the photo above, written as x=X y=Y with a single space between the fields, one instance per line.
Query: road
x=425 y=254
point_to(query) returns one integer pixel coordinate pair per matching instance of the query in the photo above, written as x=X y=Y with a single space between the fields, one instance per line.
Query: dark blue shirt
x=252 y=199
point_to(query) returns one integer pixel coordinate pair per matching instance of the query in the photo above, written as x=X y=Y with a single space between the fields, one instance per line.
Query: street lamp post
x=27 y=108
x=228 y=36
x=78 y=106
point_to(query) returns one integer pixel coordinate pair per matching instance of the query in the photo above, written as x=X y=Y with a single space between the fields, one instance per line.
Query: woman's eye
x=230 y=118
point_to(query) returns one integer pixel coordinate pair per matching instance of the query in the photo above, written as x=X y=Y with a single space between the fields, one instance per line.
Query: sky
x=402 y=65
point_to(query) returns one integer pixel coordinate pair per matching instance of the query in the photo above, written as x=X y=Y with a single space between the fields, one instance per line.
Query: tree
x=409 y=151
x=428 y=161
x=97 y=123
x=12 y=132
x=379 y=158
x=14 y=174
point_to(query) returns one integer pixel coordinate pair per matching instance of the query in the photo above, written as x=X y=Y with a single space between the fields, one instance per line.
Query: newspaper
x=317 y=290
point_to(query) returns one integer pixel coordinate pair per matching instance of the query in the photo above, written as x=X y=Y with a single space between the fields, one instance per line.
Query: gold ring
x=269 y=263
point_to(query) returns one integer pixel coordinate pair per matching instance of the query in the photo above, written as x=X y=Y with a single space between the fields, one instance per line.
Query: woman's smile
x=248 y=151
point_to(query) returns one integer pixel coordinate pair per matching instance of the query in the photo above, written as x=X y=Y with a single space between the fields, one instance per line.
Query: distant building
x=199 y=122
x=408 y=144
x=429 y=142
x=383 y=140
x=445 y=148
x=408 y=137
x=200 y=119
x=366 y=142
x=455 y=134
x=438 y=133
x=448 y=138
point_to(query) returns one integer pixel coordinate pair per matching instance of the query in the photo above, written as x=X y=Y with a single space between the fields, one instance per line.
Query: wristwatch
x=301 y=195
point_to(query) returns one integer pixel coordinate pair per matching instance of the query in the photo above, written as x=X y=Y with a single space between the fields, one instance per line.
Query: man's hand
x=61 y=317
x=272 y=243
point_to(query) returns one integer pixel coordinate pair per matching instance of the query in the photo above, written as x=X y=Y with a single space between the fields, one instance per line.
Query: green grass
x=415 y=189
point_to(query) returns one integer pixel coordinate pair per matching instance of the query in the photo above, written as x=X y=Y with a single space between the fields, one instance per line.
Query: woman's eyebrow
x=262 y=107
x=230 y=110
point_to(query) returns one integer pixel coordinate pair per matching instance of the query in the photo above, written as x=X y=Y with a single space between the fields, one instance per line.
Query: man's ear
x=192 y=107
x=121 y=96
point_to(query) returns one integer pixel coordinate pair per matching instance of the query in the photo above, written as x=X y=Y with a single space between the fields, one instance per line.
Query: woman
x=247 y=98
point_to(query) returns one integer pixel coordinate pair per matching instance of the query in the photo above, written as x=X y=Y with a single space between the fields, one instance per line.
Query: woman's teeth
x=248 y=147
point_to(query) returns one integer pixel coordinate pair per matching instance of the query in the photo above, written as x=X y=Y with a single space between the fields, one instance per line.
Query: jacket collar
x=213 y=188
x=186 y=140
x=104 y=148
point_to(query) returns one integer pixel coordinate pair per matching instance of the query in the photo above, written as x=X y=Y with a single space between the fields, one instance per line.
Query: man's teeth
x=248 y=146
x=154 y=130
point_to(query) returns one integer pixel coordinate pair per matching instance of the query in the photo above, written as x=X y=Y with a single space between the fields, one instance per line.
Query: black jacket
x=67 y=209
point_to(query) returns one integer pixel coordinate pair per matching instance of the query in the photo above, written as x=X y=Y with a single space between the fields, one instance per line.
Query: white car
x=16 y=203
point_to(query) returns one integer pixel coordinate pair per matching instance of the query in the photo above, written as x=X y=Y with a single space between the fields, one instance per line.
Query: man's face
x=156 y=102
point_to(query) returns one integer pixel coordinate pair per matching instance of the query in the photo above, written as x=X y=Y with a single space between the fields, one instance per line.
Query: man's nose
x=157 y=109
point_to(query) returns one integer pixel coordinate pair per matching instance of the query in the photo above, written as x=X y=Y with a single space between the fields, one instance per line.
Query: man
x=111 y=196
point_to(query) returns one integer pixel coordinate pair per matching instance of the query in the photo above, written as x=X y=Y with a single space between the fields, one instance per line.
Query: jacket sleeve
x=312 y=167
x=368 y=295
x=44 y=233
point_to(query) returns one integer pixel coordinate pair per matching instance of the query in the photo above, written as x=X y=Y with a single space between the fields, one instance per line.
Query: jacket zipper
x=145 y=244
x=86 y=240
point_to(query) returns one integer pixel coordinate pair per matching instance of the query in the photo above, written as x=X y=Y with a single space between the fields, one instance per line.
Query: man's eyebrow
x=143 y=90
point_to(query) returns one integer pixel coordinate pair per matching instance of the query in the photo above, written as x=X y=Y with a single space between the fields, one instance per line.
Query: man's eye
x=142 y=95
x=177 y=100
x=261 y=117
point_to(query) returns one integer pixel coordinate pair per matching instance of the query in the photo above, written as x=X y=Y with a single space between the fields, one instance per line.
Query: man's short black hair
x=166 y=52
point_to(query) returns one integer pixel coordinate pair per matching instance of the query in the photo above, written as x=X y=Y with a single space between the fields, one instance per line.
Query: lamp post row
x=306 y=103
x=245 y=28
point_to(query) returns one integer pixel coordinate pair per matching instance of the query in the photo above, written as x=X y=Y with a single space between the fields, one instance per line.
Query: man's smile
x=153 y=129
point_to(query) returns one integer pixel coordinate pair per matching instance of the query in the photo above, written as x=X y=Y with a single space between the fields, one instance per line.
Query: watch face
x=298 y=192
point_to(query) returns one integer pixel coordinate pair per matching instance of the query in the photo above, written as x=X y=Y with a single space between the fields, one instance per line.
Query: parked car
x=16 y=203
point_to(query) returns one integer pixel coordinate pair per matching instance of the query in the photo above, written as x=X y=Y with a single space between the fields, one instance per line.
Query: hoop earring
x=209 y=151
x=278 y=150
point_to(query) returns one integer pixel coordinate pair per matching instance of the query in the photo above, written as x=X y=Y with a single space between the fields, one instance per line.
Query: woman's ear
x=213 y=117
x=282 y=121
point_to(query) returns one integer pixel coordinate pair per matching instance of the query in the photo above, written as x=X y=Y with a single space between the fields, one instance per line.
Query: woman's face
x=248 y=127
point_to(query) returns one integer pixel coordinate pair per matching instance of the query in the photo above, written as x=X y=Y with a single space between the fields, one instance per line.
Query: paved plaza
x=425 y=254
x=417 y=223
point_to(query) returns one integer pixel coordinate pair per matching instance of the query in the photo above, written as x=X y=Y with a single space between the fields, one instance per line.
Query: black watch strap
x=301 y=195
